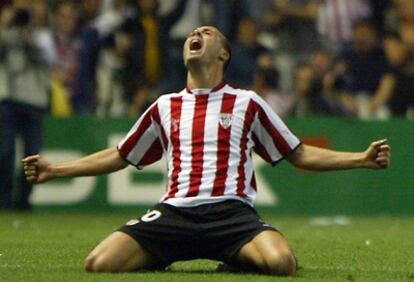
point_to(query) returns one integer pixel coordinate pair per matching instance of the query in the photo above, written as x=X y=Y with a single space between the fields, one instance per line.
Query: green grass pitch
x=51 y=246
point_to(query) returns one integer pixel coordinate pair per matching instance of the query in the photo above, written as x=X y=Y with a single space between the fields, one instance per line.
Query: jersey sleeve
x=142 y=145
x=273 y=140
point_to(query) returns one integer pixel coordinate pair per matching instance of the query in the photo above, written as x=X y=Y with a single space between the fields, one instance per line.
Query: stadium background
x=108 y=60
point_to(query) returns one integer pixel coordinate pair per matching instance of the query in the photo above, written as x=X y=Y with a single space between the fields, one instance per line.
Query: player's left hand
x=378 y=155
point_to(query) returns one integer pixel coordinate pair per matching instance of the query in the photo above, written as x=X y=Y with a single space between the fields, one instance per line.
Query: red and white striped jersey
x=207 y=137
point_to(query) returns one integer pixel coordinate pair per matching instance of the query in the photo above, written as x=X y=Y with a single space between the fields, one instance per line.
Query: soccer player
x=207 y=133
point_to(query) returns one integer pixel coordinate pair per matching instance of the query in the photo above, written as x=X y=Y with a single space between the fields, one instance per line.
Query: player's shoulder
x=166 y=97
x=255 y=99
x=232 y=89
x=169 y=95
x=246 y=93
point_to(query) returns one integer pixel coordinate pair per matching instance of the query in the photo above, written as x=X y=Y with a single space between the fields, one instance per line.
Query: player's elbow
x=297 y=158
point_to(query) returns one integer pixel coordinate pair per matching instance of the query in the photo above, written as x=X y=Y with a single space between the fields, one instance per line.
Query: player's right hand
x=36 y=169
x=378 y=155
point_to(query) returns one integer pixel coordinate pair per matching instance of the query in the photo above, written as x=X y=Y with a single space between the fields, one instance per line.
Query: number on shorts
x=151 y=216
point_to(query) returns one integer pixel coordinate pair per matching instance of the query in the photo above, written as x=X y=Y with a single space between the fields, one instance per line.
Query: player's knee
x=281 y=264
x=89 y=263
x=95 y=263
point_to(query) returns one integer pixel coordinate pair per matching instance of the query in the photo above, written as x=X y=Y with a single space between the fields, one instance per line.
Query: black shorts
x=211 y=231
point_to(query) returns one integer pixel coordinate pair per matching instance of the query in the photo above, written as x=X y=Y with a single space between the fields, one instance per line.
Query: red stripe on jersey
x=157 y=118
x=218 y=86
x=278 y=140
x=197 y=144
x=253 y=182
x=176 y=104
x=130 y=143
x=260 y=149
x=223 y=146
x=248 y=120
x=153 y=154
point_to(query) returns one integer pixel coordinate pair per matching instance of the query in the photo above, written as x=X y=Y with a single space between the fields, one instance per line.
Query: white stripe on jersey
x=210 y=139
x=164 y=106
x=143 y=144
x=140 y=138
x=186 y=129
x=282 y=128
x=237 y=126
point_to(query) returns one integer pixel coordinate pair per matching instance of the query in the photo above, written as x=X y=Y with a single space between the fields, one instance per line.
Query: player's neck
x=204 y=78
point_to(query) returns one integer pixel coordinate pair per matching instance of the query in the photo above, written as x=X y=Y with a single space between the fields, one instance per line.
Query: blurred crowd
x=111 y=58
x=350 y=58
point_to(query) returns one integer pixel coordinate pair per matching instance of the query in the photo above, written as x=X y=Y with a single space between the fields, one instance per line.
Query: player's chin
x=192 y=61
x=193 y=57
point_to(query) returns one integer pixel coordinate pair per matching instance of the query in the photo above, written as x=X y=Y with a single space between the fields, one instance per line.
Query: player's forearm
x=319 y=159
x=99 y=163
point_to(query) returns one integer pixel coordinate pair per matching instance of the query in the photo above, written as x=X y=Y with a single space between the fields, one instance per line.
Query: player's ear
x=224 y=56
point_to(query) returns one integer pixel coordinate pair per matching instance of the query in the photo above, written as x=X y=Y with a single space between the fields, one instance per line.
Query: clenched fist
x=378 y=155
x=36 y=169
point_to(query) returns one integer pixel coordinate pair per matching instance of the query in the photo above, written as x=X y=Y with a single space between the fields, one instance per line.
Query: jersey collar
x=206 y=90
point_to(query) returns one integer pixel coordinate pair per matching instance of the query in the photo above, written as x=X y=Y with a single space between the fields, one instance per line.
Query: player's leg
x=119 y=252
x=268 y=252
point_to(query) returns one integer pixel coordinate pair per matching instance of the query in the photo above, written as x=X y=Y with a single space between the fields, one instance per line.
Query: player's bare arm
x=38 y=170
x=376 y=156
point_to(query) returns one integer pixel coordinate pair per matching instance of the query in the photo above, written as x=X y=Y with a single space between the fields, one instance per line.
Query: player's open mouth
x=195 y=45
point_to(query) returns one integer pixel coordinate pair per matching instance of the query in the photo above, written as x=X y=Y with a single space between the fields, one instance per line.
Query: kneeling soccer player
x=206 y=133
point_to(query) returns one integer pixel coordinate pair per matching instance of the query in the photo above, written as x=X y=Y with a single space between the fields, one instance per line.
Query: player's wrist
x=362 y=160
x=52 y=171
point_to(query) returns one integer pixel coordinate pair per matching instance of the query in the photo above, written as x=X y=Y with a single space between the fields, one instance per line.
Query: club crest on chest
x=225 y=120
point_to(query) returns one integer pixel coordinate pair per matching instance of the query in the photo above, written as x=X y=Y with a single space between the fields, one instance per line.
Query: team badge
x=225 y=120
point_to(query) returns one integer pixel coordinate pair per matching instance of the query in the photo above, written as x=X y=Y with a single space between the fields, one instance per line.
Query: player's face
x=203 y=45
